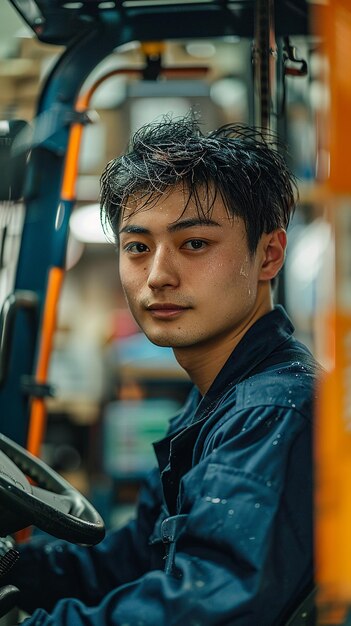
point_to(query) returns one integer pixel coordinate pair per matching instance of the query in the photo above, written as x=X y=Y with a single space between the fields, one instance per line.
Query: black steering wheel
x=31 y=493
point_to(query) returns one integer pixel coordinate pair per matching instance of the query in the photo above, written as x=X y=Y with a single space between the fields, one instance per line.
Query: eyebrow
x=172 y=228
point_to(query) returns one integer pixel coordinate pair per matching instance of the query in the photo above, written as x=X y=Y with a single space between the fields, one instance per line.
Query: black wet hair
x=241 y=164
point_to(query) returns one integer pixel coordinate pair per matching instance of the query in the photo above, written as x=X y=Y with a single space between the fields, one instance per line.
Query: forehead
x=175 y=204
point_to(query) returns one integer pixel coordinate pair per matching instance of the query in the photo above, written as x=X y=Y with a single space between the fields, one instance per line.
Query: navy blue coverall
x=234 y=484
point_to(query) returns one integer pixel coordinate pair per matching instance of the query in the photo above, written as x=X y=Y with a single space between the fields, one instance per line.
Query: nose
x=163 y=271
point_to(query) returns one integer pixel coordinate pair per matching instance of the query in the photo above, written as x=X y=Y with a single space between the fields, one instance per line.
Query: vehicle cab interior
x=85 y=76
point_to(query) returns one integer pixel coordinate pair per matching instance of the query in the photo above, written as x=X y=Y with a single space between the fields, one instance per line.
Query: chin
x=167 y=342
x=163 y=343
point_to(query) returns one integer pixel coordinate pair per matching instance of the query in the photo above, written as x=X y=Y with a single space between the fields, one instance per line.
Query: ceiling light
x=229 y=92
x=86 y=226
x=201 y=49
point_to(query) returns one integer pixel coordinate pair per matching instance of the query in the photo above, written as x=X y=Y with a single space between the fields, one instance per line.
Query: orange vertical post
x=38 y=410
x=37 y=419
x=333 y=423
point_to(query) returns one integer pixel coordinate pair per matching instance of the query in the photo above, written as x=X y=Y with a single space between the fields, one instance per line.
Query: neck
x=204 y=361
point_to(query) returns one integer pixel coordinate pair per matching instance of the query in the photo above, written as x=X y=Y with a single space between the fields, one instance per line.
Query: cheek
x=132 y=283
x=129 y=287
x=126 y=272
x=240 y=282
x=126 y=280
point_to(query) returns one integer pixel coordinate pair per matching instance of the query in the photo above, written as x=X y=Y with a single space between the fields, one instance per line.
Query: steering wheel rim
x=52 y=504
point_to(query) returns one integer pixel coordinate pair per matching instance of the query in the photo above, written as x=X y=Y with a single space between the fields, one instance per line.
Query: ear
x=273 y=253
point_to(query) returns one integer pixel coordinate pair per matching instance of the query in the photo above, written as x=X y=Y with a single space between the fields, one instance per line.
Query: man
x=223 y=534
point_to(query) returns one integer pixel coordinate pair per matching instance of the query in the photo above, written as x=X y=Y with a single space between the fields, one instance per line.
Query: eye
x=195 y=244
x=136 y=247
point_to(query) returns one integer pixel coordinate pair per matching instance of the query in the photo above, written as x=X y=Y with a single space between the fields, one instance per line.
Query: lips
x=166 y=307
x=166 y=310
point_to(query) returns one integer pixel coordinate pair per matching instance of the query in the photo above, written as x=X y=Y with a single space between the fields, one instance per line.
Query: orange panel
x=338 y=36
x=333 y=424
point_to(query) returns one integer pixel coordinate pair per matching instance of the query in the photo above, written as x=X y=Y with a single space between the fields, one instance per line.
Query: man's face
x=188 y=282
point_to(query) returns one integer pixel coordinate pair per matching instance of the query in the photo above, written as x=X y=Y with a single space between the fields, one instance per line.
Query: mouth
x=166 y=310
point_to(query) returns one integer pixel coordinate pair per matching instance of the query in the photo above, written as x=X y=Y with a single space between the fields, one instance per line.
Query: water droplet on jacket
x=223 y=501
x=257 y=505
x=199 y=583
x=275 y=442
x=216 y=500
x=231 y=512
